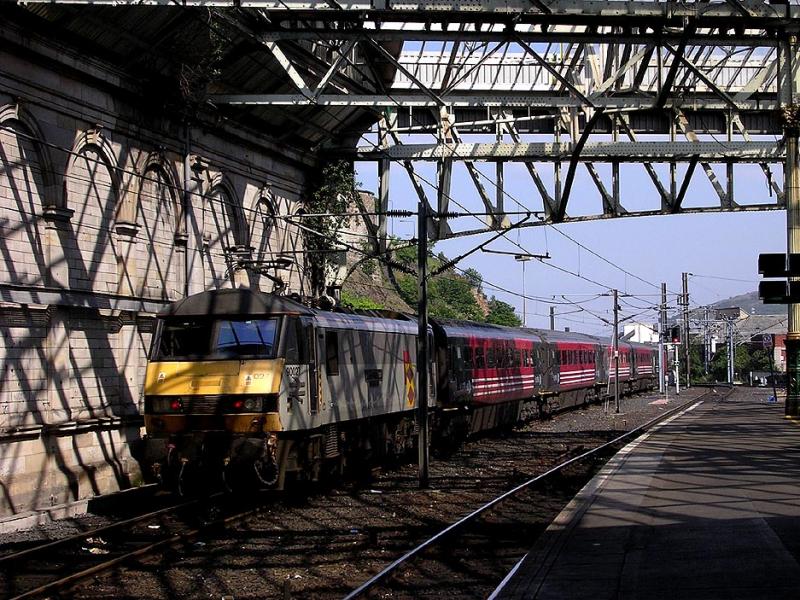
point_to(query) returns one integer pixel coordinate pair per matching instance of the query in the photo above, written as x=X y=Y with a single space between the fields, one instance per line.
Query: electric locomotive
x=258 y=387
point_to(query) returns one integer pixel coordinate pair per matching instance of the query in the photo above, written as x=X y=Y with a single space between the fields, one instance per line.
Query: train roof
x=461 y=329
x=377 y=324
x=229 y=302
x=550 y=335
x=250 y=302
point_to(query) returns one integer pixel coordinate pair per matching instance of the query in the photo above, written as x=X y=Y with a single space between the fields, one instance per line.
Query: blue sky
x=724 y=245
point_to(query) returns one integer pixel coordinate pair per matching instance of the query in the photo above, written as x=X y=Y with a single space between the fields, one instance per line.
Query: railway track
x=55 y=566
x=464 y=558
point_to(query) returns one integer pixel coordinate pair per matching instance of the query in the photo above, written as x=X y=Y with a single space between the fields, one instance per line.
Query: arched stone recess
x=293 y=249
x=161 y=245
x=29 y=193
x=224 y=233
x=91 y=190
x=264 y=238
x=26 y=188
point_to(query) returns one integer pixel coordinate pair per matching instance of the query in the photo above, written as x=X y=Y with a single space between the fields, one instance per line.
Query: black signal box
x=779 y=292
x=775 y=265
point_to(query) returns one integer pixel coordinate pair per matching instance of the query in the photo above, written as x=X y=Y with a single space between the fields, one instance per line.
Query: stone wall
x=104 y=217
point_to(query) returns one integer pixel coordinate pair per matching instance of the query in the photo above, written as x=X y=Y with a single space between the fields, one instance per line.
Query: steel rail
x=392 y=567
x=142 y=551
x=93 y=532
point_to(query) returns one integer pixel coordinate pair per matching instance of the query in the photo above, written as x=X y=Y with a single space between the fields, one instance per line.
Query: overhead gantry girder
x=503 y=11
x=624 y=152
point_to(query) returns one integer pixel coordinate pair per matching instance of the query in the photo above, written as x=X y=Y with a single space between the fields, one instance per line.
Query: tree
x=334 y=194
x=351 y=300
x=474 y=278
x=451 y=296
x=501 y=313
x=746 y=359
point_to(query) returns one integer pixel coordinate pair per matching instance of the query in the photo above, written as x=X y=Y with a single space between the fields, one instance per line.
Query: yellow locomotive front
x=213 y=385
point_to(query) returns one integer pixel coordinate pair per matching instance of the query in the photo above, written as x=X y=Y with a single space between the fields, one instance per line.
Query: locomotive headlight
x=166 y=404
x=253 y=404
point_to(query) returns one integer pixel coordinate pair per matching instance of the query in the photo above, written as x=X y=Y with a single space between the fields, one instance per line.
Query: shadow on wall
x=76 y=231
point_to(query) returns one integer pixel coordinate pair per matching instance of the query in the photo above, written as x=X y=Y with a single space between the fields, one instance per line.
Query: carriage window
x=517 y=358
x=479 y=362
x=490 y=357
x=467 y=358
x=332 y=352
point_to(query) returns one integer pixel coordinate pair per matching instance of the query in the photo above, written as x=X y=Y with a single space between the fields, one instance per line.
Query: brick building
x=120 y=191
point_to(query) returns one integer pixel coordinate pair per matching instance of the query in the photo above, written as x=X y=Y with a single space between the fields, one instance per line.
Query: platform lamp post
x=789 y=96
x=786 y=267
x=792 y=191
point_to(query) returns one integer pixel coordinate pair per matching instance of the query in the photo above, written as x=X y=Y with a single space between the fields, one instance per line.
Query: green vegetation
x=450 y=294
x=501 y=313
x=335 y=193
x=354 y=301
x=746 y=359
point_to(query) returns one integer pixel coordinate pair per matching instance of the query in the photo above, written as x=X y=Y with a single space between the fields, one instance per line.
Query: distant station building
x=643 y=333
x=121 y=189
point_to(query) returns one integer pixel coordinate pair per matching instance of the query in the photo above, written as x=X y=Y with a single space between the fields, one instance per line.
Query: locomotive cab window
x=332 y=352
x=180 y=338
x=216 y=339
x=254 y=337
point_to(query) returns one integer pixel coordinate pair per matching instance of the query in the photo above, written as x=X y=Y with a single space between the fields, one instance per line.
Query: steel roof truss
x=683 y=123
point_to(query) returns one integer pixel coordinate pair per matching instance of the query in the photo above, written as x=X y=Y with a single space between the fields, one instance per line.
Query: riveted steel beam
x=499 y=9
x=736 y=151
x=532 y=100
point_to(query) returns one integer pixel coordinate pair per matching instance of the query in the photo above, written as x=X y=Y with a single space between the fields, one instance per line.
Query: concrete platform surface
x=706 y=506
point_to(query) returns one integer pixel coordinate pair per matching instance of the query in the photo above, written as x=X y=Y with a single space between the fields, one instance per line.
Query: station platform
x=705 y=506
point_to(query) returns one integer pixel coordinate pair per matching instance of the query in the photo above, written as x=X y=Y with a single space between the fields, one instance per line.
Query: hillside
x=451 y=294
x=751 y=304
